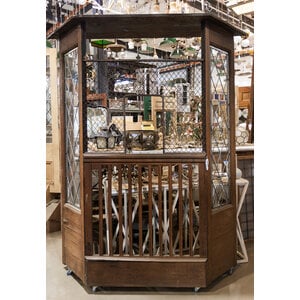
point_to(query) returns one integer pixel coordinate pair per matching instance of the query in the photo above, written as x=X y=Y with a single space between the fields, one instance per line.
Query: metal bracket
x=206 y=164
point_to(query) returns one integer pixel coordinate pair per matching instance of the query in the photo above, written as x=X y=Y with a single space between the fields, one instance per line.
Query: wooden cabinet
x=245 y=110
x=244 y=95
x=160 y=214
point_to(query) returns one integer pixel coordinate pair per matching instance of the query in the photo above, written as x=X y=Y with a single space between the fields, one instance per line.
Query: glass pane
x=220 y=127
x=138 y=105
x=72 y=127
x=48 y=102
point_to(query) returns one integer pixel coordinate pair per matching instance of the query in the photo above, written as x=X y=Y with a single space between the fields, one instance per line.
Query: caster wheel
x=69 y=272
x=230 y=271
x=197 y=289
x=94 y=289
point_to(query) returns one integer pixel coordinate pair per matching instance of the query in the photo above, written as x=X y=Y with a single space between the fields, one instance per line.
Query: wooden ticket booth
x=148 y=149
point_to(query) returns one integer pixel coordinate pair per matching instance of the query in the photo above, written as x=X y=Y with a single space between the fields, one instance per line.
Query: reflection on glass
x=219 y=101
x=151 y=106
x=72 y=127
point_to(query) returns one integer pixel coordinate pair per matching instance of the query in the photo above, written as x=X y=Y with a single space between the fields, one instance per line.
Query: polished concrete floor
x=60 y=286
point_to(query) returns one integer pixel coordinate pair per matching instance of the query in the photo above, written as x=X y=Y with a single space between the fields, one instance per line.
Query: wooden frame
x=217 y=226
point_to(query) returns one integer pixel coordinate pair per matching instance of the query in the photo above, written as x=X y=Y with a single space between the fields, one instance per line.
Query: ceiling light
x=190 y=51
x=245 y=43
x=144 y=46
x=155 y=56
x=116 y=47
x=177 y=53
x=101 y=43
x=244 y=8
x=131 y=44
x=168 y=44
x=147 y=50
x=241 y=7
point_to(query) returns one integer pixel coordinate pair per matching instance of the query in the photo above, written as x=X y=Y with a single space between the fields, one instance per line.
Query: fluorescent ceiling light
x=231 y=2
x=241 y=7
x=68 y=7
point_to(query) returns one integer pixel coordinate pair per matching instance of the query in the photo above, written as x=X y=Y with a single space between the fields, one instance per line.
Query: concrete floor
x=60 y=286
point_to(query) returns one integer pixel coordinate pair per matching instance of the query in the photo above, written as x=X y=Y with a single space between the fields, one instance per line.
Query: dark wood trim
x=69 y=41
x=142 y=158
x=204 y=209
x=63 y=194
x=242 y=155
x=154 y=25
x=87 y=225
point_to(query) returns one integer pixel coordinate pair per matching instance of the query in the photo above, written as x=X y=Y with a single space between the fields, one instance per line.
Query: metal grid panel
x=155 y=105
x=72 y=127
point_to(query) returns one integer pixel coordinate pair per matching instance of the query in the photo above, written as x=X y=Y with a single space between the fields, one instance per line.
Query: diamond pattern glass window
x=219 y=127
x=152 y=105
x=48 y=103
x=72 y=127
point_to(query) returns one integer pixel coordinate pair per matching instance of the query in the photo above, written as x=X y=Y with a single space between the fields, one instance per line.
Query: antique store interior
x=144 y=186
x=149 y=149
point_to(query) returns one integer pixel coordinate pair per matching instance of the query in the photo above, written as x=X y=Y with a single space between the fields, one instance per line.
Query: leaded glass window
x=220 y=127
x=152 y=105
x=72 y=127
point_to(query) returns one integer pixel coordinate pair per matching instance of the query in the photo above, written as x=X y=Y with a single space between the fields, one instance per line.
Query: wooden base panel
x=146 y=273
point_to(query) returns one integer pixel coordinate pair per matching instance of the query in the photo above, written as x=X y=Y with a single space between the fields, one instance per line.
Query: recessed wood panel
x=73 y=240
x=140 y=273
x=49 y=171
x=244 y=94
x=222 y=241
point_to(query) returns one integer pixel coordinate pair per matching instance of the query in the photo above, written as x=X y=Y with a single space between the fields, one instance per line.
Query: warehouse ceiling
x=238 y=12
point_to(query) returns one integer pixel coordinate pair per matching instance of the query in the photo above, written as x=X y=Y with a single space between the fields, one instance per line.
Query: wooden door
x=71 y=156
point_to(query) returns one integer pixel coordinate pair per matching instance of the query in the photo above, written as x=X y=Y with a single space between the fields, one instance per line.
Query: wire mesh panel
x=72 y=127
x=220 y=157
x=152 y=105
x=145 y=209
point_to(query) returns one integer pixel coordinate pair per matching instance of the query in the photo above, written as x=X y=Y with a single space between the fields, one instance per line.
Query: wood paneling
x=73 y=240
x=75 y=264
x=147 y=273
x=222 y=241
x=244 y=96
